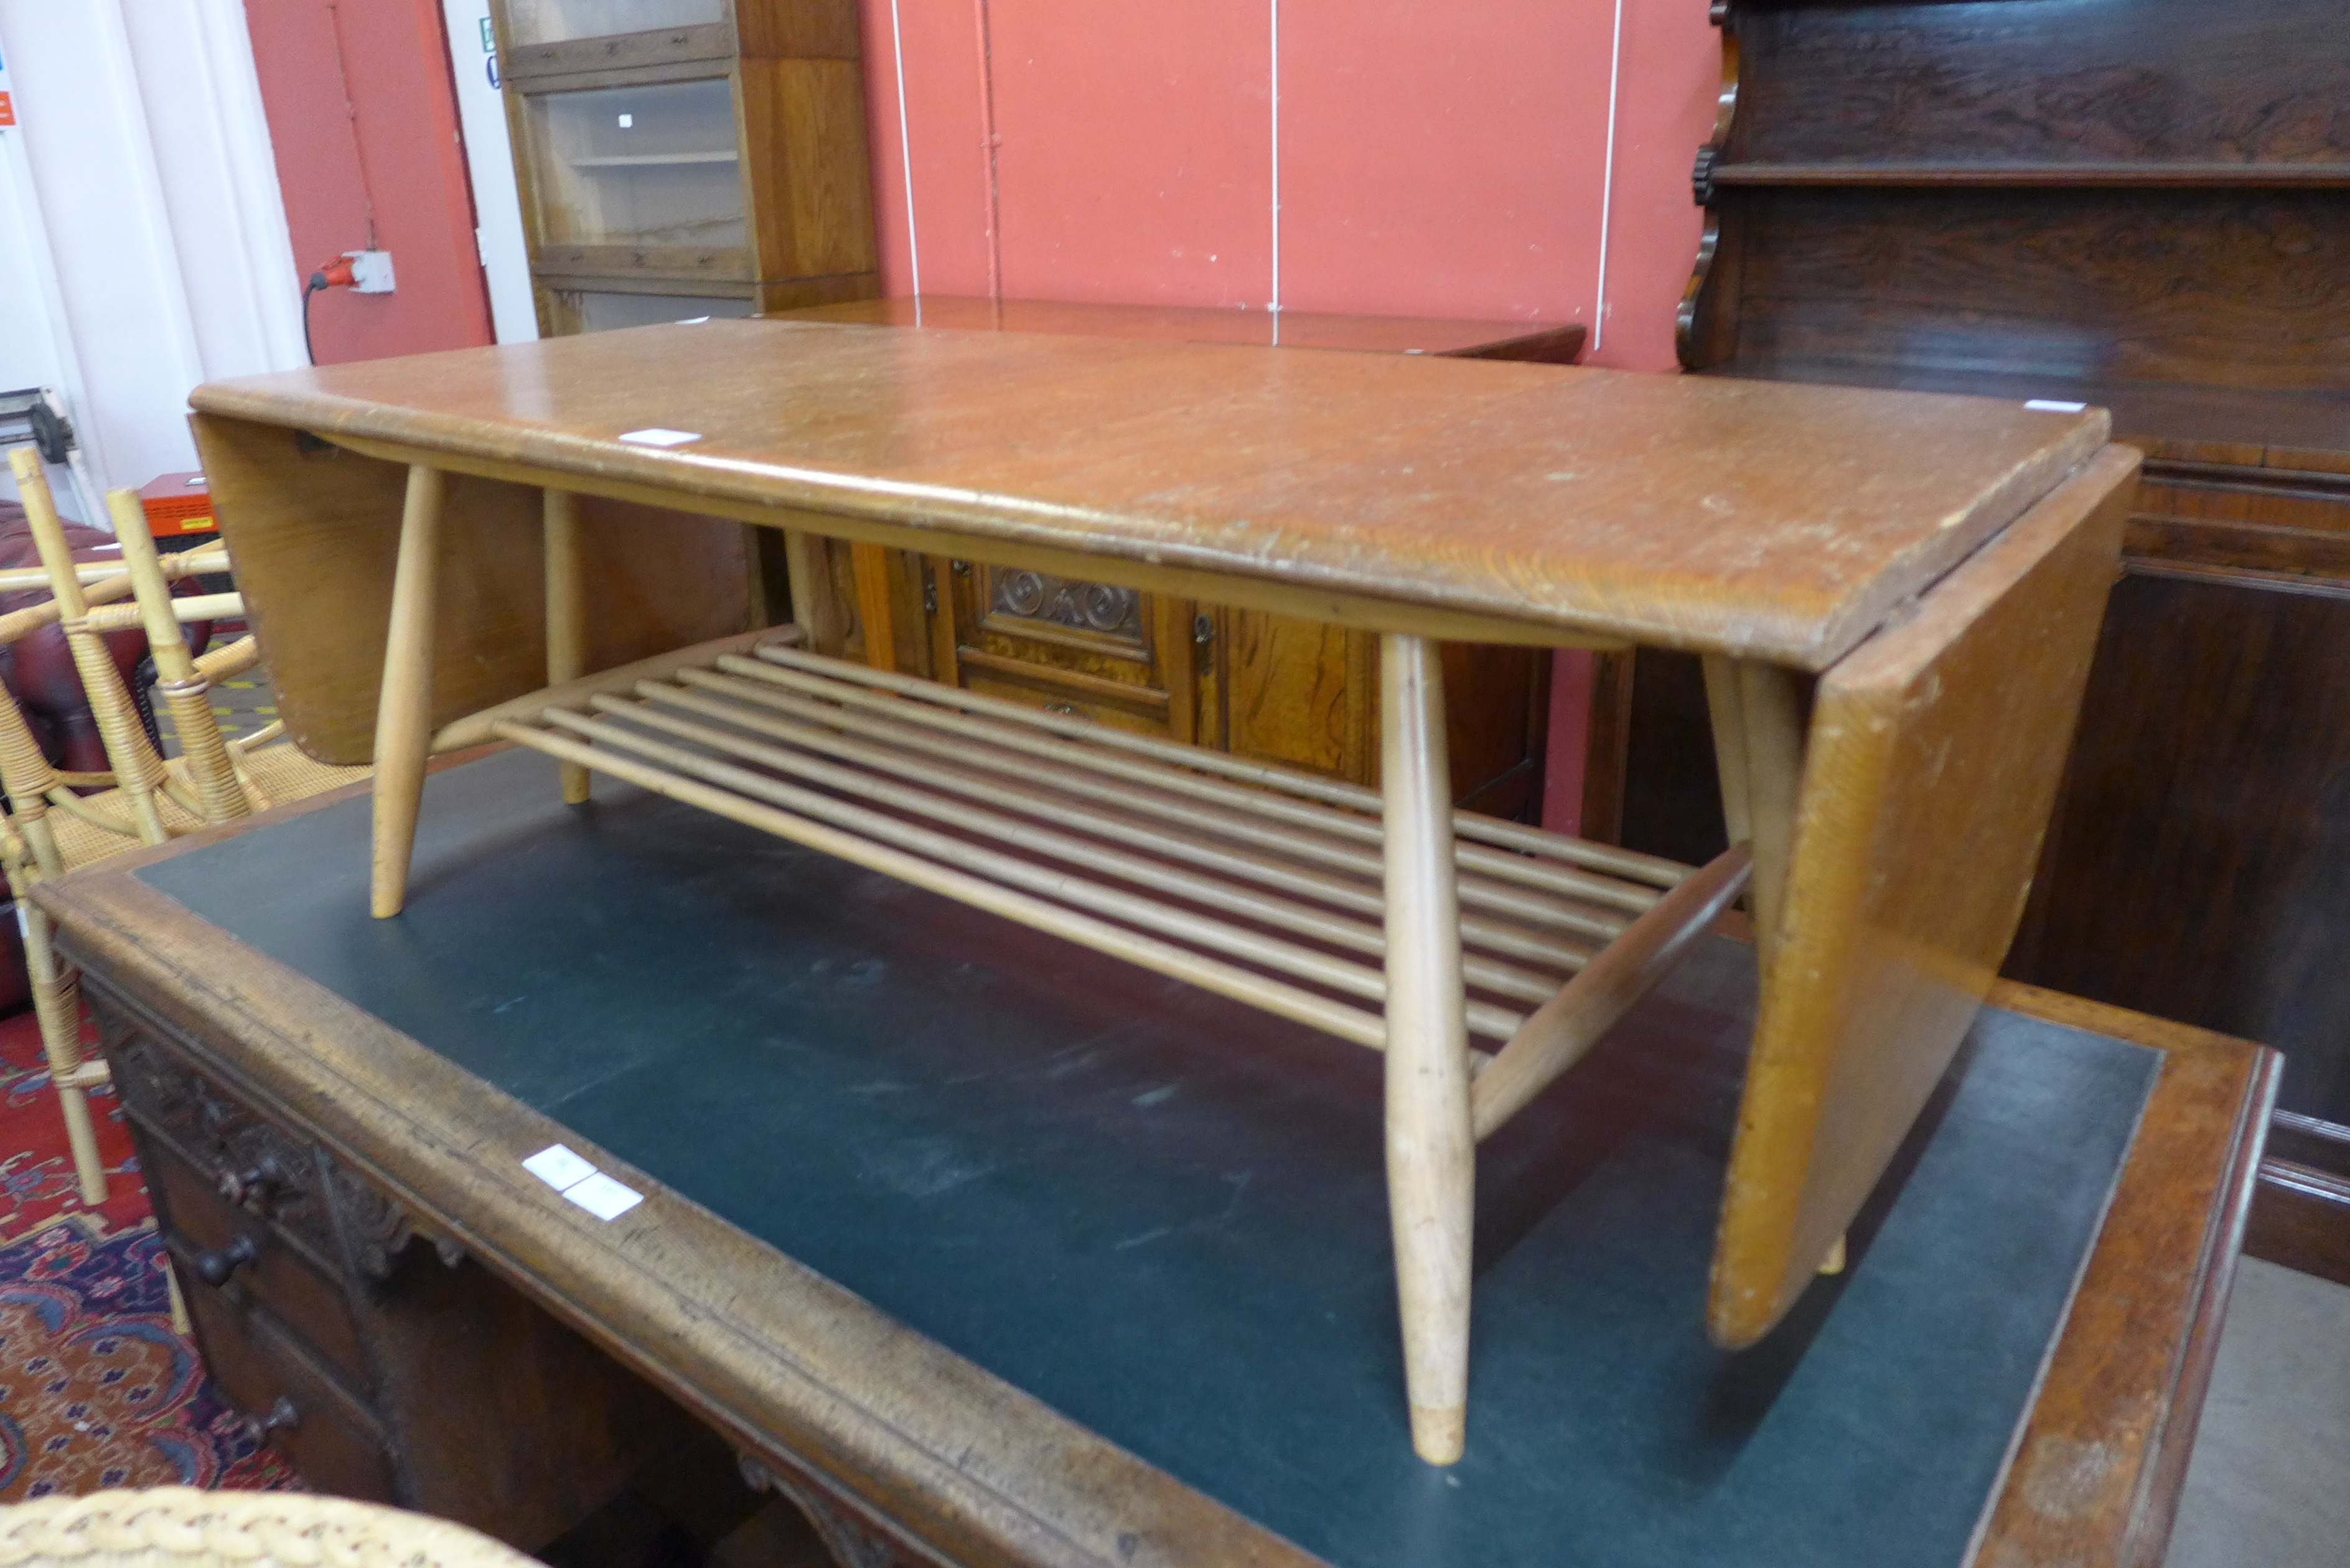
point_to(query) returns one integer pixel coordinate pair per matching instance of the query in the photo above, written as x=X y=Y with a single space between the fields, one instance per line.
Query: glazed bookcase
x=687 y=158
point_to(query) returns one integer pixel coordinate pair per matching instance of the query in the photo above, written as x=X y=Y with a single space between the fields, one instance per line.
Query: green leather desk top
x=1164 y=1215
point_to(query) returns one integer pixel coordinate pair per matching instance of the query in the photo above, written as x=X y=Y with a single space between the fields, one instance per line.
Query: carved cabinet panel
x=1294 y=692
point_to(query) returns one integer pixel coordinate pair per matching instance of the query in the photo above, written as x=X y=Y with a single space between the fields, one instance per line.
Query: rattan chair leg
x=216 y=796
x=57 y=1007
x=138 y=769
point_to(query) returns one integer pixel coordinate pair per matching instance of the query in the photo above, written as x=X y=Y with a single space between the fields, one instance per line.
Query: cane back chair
x=52 y=826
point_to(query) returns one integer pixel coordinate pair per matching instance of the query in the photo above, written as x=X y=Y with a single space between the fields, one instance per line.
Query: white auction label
x=559 y=1166
x=603 y=1197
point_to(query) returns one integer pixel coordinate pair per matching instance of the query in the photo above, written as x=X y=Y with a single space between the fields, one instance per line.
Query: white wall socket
x=370 y=271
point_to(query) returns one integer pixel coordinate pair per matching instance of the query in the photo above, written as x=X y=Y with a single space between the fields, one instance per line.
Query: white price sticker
x=559 y=1166
x=582 y=1183
x=603 y=1197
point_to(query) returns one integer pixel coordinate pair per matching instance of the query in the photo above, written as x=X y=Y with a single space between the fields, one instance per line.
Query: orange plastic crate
x=178 y=504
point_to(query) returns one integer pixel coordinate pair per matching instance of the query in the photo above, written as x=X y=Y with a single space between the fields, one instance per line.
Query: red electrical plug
x=335 y=274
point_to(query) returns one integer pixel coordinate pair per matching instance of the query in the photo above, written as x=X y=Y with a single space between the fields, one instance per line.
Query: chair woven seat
x=168 y=1527
x=81 y=842
x=276 y=773
x=281 y=773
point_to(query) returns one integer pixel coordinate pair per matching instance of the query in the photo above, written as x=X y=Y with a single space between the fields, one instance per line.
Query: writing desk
x=1898 y=595
x=993 y=1252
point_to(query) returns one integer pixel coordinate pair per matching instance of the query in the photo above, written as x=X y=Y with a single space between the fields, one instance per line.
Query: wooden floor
x=2266 y=1484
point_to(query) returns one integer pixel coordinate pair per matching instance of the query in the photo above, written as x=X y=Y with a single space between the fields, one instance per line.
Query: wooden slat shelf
x=1251 y=881
x=1857 y=173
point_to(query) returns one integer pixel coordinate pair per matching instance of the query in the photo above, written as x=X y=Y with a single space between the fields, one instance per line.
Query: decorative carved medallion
x=1097 y=608
x=854 y=1538
x=376 y=1228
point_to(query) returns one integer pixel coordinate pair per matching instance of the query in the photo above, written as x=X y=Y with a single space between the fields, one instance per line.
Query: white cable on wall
x=1273 y=73
x=1607 y=179
x=905 y=162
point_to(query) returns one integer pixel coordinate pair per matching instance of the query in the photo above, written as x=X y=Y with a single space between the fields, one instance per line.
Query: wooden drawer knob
x=255 y=1186
x=215 y=1266
x=283 y=1417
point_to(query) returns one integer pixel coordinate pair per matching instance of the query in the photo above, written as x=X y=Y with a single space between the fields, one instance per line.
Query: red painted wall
x=1514 y=159
x=1522 y=159
x=1518 y=159
x=395 y=149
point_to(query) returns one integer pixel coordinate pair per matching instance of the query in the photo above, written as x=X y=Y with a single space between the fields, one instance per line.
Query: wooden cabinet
x=683 y=158
x=2143 y=204
x=1294 y=692
x=1298 y=693
x=2198 y=865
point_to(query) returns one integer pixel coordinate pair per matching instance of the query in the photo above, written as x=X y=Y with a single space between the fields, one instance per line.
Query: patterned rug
x=37 y=1175
x=96 y=1387
x=95 y=1390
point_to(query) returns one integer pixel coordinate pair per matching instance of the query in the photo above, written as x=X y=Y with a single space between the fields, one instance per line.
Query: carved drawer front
x=253 y=1162
x=287 y=1401
x=231 y=1148
x=227 y=1252
x=1094 y=650
x=1042 y=691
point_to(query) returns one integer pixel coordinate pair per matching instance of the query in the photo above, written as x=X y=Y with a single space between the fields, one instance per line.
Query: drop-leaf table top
x=1773 y=522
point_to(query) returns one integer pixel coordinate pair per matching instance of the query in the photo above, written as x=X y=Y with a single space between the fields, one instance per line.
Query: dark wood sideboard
x=2143 y=204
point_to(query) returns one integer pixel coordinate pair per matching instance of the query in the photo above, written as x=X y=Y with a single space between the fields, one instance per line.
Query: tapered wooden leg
x=1772 y=703
x=1758 y=747
x=566 y=614
x=57 y=1007
x=1728 y=712
x=403 y=723
x=805 y=559
x=872 y=565
x=1431 y=1152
